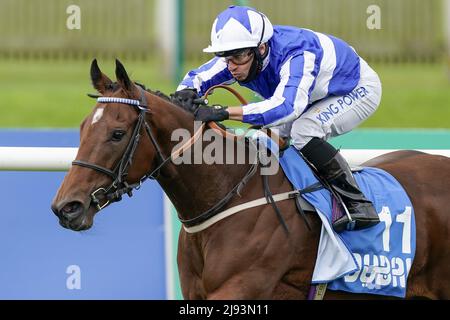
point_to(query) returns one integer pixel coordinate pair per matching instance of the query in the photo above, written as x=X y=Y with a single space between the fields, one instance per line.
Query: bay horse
x=248 y=255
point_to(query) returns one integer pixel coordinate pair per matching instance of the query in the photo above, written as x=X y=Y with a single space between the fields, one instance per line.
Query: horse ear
x=122 y=77
x=100 y=82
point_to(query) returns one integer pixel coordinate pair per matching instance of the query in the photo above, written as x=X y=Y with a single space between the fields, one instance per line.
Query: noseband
x=120 y=186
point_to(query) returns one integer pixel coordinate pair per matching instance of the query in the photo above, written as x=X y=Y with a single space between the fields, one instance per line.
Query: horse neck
x=192 y=188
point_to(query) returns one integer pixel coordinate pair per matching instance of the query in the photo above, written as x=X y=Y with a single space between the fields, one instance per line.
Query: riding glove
x=188 y=98
x=213 y=113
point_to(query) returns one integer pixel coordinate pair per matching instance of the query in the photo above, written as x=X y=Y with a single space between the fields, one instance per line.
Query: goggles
x=238 y=57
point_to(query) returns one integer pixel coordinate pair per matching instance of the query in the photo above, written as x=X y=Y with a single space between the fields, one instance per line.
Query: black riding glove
x=186 y=94
x=214 y=113
x=188 y=98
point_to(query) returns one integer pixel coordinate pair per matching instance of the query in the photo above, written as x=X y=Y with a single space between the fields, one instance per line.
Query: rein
x=214 y=210
x=283 y=144
x=204 y=220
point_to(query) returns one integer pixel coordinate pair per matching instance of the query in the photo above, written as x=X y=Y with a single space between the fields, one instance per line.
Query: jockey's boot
x=332 y=167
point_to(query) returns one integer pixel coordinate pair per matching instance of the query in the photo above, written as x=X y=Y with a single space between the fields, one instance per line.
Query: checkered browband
x=119 y=100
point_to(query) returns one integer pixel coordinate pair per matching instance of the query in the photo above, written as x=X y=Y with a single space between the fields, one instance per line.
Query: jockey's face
x=239 y=64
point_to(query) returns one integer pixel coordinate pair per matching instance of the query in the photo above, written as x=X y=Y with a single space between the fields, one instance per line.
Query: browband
x=119 y=100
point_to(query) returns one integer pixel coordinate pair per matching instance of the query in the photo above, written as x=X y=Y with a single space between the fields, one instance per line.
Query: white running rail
x=36 y=159
x=60 y=159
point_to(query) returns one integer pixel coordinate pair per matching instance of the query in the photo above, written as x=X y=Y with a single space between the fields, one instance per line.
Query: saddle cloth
x=376 y=260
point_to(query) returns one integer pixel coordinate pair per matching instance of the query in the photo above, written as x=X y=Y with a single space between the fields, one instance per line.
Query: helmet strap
x=257 y=62
x=255 y=68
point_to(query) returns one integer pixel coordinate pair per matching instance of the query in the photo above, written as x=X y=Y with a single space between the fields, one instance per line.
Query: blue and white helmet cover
x=239 y=27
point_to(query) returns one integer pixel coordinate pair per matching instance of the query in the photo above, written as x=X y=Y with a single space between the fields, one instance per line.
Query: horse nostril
x=71 y=210
x=55 y=209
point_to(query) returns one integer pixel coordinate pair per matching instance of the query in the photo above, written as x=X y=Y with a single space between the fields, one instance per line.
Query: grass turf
x=53 y=93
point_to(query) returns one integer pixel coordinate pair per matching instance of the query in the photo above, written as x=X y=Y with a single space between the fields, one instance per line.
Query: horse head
x=118 y=148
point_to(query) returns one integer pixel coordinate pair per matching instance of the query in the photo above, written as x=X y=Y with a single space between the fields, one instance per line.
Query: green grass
x=53 y=94
x=414 y=96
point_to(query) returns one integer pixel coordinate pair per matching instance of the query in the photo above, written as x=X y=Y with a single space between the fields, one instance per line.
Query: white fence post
x=36 y=159
x=447 y=32
x=165 y=26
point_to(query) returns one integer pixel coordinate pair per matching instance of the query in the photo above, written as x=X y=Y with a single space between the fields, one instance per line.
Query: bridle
x=119 y=185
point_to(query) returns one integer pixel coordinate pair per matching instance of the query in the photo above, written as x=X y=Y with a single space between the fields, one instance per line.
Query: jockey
x=315 y=87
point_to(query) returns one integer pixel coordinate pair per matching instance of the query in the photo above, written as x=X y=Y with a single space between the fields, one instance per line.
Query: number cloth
x=376 y=260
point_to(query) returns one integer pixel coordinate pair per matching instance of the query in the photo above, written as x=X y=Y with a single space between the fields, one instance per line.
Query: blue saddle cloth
x=378 y=258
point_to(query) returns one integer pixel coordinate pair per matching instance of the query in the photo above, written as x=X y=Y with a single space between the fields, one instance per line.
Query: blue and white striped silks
x=302 y=67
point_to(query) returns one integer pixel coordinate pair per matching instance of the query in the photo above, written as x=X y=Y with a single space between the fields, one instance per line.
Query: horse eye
x=117 y=135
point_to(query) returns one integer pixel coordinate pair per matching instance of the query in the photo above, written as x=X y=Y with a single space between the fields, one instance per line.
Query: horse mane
x=115 y=86
x=189 y=108
x=163 y=96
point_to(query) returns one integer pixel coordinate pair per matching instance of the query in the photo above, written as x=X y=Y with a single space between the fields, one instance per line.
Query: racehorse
x=249 y=255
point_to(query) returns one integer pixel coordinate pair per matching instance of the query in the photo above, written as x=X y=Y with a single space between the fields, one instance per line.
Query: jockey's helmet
x=238 y=28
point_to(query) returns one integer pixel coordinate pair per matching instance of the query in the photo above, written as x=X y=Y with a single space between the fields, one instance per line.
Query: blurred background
x=44 y=65
x=46 y=47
